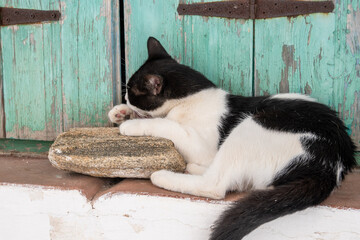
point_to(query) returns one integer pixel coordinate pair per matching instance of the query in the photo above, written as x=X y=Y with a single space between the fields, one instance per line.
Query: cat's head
x=161 y=81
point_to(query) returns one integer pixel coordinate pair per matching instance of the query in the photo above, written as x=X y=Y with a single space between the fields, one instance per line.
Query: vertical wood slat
x=60 y=75
x=116 y=42
x=142 y=19
x=88 y=98
x=23 y=76
x=221 y=49
x=317 y=55
x=52 y=75
x=2 y=113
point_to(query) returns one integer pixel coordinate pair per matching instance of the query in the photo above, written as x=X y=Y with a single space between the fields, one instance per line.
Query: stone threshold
x=38 y=172
x=52 y=204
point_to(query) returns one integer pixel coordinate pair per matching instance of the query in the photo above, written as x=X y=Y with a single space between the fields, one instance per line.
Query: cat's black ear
x=153 y=83
x=155 y=49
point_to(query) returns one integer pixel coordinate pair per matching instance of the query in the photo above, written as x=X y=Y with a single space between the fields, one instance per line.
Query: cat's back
x=298 y=114
x=294 y=113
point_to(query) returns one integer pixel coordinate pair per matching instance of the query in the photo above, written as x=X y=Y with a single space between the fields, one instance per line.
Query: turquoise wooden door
x=317 y=54
x=219 y=48
x=59 y=75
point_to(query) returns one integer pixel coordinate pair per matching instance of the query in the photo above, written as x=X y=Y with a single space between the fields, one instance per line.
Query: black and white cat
x=289 y=149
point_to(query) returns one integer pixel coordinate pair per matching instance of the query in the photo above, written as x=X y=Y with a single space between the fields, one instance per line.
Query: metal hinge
x=13 y=16
x=255 y=9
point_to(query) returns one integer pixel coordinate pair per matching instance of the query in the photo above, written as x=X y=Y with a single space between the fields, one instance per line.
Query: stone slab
x=104 y=152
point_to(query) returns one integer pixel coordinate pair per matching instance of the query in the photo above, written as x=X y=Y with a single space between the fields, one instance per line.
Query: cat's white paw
x=132 y=128
x=161 y=178
x=120 y=113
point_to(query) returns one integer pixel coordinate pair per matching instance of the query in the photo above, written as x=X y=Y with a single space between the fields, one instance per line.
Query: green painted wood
x=222 y=49
x=23 y=56
x=357 y=157
x=24 y=146
x=60 y=75
x=2 y=110
x=318 y=54
x=94 y=54
x=145 y=18
x=219 y=48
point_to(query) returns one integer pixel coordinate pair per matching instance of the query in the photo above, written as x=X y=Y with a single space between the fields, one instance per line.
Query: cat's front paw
x=120 y=113
x=161 y=178
x=132 y=128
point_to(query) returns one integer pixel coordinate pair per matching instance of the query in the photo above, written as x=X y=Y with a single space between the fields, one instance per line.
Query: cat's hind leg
x=213 y=183
x=195 y=169
x=186 y=183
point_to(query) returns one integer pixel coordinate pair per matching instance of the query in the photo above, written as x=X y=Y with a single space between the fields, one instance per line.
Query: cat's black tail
x=265 y=205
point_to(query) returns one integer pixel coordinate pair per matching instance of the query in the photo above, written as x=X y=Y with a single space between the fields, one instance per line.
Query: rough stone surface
x=104 y=152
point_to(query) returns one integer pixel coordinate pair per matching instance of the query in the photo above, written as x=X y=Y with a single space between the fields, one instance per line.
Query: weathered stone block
x=104 y=152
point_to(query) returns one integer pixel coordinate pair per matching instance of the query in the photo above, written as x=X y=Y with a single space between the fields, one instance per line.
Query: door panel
x=222 y=50
x=219 y=48
x=59 y=75
x=317 y=55
x=145 y=18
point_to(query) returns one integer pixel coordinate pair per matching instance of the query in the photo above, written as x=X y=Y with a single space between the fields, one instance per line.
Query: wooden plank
x=70 y=63
x=116 y=41
x=23 y=76
x=219 y=48
x=145 y=18
x=317 y=55
x=94 y=56
x=52 y=74
x=87 y=70
x=60 y=75
x=346 y=68
x=2 y=110
x=24 y=146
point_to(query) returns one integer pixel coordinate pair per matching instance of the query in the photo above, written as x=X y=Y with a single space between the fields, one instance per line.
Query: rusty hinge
x=255 y=9
x=13 y=16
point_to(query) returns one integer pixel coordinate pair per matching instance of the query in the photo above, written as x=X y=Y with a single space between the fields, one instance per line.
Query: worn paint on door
x=219 y=48
x=62 y=74
x=316 y=54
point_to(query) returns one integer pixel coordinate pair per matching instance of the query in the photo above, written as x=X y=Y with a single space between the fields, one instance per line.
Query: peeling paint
x=32 y=41
x=309 y=35
x=63 y=12
x=13 y=28
x=355 y=126
x=353 y=29
x=288 y=59
x=55 y=72
x=25 y=41
x=307 y=89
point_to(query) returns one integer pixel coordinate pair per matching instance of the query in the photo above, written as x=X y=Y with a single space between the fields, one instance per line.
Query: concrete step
x=38 y=201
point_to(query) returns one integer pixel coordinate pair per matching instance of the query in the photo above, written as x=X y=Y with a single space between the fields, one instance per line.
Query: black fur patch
x=178 y=80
